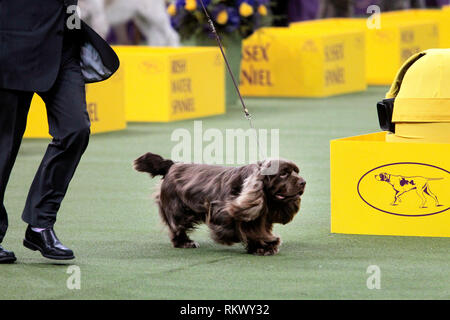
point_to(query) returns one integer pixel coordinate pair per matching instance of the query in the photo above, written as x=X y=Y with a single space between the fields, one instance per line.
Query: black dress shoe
x=47 y=243
x=6 y=256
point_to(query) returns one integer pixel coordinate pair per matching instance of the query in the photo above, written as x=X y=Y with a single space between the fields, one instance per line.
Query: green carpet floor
x=123 y=250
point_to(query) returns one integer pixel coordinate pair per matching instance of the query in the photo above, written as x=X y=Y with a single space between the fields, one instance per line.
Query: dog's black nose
x=301 y=186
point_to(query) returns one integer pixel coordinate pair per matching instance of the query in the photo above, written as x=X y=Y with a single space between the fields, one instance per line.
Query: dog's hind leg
x=431 y=194
x=180 y=239
x=180 y=221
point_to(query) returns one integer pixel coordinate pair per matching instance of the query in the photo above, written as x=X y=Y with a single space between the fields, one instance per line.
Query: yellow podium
x=422 y=99
x=387 y=188
x=168 y=84
x=388 y=47
x=445 y=23
x=310 y=62
x=105 y=106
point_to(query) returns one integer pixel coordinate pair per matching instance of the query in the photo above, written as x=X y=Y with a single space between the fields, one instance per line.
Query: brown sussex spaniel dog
x=239 y=204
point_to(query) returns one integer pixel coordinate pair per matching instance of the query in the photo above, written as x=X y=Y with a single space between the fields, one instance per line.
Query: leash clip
x=248 y=116
x=211 y=24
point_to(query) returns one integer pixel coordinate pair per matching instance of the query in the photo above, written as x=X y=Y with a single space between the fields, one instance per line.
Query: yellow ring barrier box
x=104 y=103
x=389 y=188
x=387 y=47
x=168 y=84
x=288 y=62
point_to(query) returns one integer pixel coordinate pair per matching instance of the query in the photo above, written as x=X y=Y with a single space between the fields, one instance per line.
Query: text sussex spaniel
x=239 y=204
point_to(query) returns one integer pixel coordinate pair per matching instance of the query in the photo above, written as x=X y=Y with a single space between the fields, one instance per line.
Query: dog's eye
x=284 y=175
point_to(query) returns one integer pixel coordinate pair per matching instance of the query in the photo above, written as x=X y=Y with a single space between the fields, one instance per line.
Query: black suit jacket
x=31 y=40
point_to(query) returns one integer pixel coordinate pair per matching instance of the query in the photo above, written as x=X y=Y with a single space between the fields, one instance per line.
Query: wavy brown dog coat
x=239 y=204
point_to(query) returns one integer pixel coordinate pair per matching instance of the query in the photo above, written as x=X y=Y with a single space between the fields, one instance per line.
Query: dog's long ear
x=250 y=203
x=268 y=167
x=263 y=169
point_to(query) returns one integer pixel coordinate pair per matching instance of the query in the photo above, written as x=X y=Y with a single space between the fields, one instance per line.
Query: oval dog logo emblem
x=406 y=189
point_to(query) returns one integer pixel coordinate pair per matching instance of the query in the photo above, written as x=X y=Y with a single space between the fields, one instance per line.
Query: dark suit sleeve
x=69 y=2
x=30 y=43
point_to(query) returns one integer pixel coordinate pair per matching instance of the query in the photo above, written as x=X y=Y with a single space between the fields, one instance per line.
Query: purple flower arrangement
x=230 y=17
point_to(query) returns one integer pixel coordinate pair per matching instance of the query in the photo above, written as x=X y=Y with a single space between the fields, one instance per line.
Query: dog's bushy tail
x=153 y=164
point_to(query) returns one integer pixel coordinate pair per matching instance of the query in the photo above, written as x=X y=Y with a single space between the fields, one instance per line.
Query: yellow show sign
x=169 y=84
x=440 y=17
x=104 y=103
x=384 y=188
x=387 y=47
x=284 y=62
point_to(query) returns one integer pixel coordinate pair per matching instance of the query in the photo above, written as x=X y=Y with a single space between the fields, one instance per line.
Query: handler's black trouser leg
x=70 y=128
x=14 y=106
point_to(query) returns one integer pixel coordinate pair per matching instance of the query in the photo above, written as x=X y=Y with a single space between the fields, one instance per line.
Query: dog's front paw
x=189 y=244
x=268 y=251
x=267 y=248
x=275 y=242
